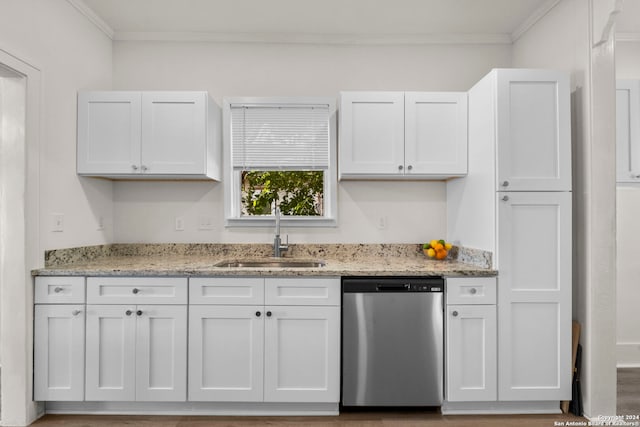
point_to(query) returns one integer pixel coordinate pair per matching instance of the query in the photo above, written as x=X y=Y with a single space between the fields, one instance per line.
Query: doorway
x=19 y=136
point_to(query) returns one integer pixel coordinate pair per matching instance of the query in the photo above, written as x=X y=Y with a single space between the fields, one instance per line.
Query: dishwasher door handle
x=393 y=288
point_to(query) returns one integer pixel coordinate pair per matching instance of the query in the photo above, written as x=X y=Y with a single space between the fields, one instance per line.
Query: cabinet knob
x=134 y=167
x=258 y=314
x=410 y=167
x=135 y=290
x=505 y=183
x=400 y=167
x=505 y=199
x=139 y=312
x=76 y=312
x=57 y=289
x=128 y=312
x=144 y=168
x=454 y=313
x=472 y=291
x=268 y=314
x=633 y=175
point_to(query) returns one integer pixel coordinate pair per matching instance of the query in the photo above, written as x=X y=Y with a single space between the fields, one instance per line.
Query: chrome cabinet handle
x=633 y=175
x=76 y=312
x=400 y=167
x=139 y=312
x=58 y=289
x=269 y=314
x=454 y=313
x=258 y=314
x=472 y=291
x=409 y=167
x=135 y=290
x=144 y=168
x=134 y=167
x=505 y=183
x=505 y=199
x=128 y=312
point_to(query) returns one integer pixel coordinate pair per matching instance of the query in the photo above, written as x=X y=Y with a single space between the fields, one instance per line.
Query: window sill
x=269 y=222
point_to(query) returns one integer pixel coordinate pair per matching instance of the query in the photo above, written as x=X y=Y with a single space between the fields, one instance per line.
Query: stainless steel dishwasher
x=392 y=341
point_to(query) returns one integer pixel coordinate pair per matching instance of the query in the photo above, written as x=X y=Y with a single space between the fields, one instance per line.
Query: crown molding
x=537 y=15
x=628 y=37
x=93 y=17
x=302 y=38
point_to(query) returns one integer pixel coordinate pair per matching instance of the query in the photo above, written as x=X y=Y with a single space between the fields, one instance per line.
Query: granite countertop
x=199 y=260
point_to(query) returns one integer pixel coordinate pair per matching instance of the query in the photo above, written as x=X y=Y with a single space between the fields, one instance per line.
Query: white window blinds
x=280 y=137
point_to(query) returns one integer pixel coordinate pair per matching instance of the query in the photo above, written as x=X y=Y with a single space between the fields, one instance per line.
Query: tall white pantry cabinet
x=516 y=202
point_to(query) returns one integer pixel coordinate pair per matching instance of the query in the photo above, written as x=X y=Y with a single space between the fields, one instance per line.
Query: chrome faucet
x=278 y=247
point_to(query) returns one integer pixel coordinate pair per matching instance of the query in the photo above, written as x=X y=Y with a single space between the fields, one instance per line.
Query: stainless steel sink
x=271 y=263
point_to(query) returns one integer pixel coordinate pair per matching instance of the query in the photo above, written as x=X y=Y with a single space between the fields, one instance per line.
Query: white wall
x=72 y=54
x=59 y=51
x=628 y=230
x=415 y=211
x=562 y=40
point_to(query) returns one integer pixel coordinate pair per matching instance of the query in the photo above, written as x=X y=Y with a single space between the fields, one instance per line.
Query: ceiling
x=480 y=21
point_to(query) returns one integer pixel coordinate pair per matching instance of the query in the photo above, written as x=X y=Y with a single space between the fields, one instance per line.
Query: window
x=280 y=152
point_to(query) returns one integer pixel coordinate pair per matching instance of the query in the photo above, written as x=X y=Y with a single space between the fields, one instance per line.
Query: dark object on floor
x=575 y=407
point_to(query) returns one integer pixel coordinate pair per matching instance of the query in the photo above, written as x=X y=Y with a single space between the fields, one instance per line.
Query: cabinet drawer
x=302 y=291
x=59 y=290
x=471 y=290
x=137 y=290
x=226 y=291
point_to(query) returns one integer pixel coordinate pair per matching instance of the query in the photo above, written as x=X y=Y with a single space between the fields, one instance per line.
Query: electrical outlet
x=382 y=223
x=205 y=222
x=179 y=223
x=57 y=222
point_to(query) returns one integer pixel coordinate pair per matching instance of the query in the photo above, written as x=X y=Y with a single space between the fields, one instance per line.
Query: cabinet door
x=471 y=352
x=108 y=133
x=58 y=371
x=111 y=352
x=226 y=347
x=534 y=297
x=371 y=134
x=302 y=354
x=628 y=130
x=435 y=133
x=533 y=131
x=161 y=353
x=174 y=132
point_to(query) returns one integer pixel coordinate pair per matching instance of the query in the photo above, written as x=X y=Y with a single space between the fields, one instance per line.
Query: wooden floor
x=358 y=419
x=628 y=402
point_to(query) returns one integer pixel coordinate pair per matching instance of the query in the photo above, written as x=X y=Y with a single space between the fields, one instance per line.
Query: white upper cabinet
x=412 y=135
x=533 y=130
x=628 y=130
x=435 y=133
x=371 y=134
x=148 y=135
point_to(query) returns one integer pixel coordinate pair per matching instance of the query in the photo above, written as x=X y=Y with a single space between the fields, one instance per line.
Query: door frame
x=19 y=189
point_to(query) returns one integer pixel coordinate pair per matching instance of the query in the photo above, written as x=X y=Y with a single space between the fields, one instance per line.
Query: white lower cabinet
x=136 y=353
x=265 y=353
x=471 y=340
x=302 y=354
x=58 y=371
x=226 y=353
x=471 y=353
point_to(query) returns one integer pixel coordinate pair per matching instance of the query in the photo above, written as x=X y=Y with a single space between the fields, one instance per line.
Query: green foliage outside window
x=297 y=193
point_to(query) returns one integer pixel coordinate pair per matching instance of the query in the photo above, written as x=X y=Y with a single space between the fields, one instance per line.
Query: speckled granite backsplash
x=59 y=257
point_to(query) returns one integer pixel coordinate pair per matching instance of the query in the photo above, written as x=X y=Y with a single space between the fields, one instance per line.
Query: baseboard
x=497 y=408
x=193 y=408
x=628 y=355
